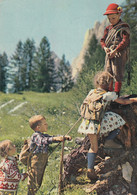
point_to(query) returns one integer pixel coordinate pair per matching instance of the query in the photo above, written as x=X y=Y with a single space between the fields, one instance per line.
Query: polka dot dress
x=109 y=122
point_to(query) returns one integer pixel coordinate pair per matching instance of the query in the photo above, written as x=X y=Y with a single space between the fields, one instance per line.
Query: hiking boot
x=111 y=144
x=92 y=175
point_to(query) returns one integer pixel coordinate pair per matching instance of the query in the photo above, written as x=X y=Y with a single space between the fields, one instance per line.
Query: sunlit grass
x=60 y=112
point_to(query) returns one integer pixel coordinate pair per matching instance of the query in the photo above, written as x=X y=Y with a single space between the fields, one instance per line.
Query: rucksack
x=92 y=107
x=25 y=153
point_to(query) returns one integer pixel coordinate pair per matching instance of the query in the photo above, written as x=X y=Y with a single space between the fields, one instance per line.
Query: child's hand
x=107 y=50
x=24 y=175
x=114 y=54
x=61 y=138
x=67 y=137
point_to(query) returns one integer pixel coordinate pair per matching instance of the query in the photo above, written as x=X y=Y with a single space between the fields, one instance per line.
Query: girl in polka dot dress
x=110 y=124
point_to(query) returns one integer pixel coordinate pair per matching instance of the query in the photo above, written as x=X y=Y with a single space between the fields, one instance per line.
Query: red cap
x=113 y=8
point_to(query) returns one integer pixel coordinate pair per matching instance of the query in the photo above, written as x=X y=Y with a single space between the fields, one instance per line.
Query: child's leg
x=113 y=134
x=36 y=171
x=109 y=143
x=92 y=155
x=92 y=151
x=111 y=86
x=118 y=87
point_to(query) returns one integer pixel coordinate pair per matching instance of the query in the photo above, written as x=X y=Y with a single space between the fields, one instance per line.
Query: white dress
x=109 y=122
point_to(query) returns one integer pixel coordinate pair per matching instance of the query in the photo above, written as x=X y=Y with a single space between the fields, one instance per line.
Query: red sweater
x=125 y=37
x=9 y=175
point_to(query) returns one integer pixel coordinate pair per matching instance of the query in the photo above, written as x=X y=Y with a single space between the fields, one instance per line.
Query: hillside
x=60 y=110
x=61 y=114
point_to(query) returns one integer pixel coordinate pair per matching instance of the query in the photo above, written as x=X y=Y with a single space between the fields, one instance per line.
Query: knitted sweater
x=9 y=174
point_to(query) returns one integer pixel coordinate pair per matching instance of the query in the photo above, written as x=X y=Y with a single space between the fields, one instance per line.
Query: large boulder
x=116 y=169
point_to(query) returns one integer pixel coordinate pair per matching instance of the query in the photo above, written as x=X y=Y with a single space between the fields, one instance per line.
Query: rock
x=79 y=140
x=116 y=169
x=111 y=193
x=127 y=171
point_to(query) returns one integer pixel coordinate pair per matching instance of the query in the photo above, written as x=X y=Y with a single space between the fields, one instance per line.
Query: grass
x=61 y=113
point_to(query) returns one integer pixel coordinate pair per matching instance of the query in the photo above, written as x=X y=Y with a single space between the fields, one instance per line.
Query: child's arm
x=126 y=101
x=61 y=138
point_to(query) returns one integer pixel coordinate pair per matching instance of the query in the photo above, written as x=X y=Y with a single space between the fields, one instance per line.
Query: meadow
x=61 y=112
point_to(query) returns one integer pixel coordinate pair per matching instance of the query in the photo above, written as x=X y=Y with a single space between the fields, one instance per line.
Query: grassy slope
x=61 y=114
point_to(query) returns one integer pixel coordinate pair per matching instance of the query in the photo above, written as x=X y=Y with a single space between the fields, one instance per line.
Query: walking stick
x=61 y=167
x=62 y=155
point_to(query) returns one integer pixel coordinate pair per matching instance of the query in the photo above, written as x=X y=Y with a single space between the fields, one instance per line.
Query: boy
x=115 y=42
x=39 y=159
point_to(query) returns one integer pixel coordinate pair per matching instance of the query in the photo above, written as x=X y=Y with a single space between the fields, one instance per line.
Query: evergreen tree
x=27 y=68
x=93 y=62
x=45 y=73
x=95 y=56
x=3 y=72
x=17 y=64
x=65 y=75
x=130 y=16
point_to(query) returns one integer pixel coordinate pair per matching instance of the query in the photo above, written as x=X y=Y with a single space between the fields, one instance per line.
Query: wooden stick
x=61 y=167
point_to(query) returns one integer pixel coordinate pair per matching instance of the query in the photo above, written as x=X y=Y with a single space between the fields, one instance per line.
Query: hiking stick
x=61 y=166
x=62 y=155
x=67 y=133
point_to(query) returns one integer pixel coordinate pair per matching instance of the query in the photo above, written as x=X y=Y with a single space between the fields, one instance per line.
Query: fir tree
x=130 y=16
x=65 y=75
x=45 y=73
x=3 y=72
x=27 y=68
x=17 y=64
x=93 y=62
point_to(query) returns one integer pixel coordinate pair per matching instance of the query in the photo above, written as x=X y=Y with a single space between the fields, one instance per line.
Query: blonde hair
x=35 y=120
x=102 y=79
x=5 y=147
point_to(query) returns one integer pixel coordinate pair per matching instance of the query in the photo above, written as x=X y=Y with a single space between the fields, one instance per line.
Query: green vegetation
x=61 y=113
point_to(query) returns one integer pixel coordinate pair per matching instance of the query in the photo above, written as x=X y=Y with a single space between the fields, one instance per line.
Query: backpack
x=25 y=154
x=92 y=107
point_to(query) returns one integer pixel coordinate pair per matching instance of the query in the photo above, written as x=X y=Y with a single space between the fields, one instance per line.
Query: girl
x=9 y=172
x=110 y=124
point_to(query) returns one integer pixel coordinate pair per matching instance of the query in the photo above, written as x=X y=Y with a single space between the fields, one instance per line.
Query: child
x=9 y=172
x=115 y=42
x=39 y=158
x=110 y=124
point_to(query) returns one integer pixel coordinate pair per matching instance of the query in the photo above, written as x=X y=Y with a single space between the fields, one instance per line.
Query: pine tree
x=65 y=75
x=45 y=73
x=3 y=72
x=29 y=50
x=130 y=16
x=93 y=62
x=17 y=64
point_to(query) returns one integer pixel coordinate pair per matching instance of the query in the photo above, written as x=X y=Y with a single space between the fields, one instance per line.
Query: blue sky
x=63 y=22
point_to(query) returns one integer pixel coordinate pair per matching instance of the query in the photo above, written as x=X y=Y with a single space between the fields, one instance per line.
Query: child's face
x=43 y=127
x=113 y=18
x=12 y=150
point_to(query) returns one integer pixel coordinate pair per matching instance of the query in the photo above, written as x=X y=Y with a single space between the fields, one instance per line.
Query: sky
x=63 y=22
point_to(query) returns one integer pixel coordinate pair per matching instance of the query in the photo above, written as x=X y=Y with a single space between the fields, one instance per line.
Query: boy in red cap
x=115 y=42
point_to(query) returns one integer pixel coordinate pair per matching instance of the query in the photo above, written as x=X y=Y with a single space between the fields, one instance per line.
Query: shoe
x=111 y=144
x=92 y=175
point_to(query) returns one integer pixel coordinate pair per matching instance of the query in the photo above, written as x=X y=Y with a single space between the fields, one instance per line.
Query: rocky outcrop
x=98 y=31
x=116 y=168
